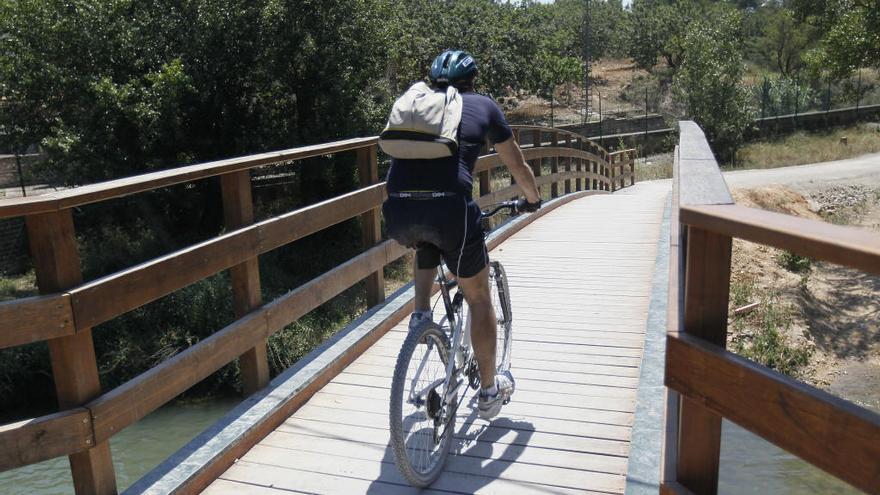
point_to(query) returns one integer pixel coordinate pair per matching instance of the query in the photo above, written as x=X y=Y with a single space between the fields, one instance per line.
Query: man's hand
x=526 y=206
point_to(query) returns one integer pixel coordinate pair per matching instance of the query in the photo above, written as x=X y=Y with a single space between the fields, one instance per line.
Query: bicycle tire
x=429 y=341
x=500 y=292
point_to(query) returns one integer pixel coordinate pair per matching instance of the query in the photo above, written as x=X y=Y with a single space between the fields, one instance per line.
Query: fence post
x=706 y=293
x=797 y=100
x=554 y=165
x=632 y=167
x=859 y=93
x=567 y=164
x=20 y=174
x=645 y=145
x=368 y=169
x=52 y=240
x=238 y=211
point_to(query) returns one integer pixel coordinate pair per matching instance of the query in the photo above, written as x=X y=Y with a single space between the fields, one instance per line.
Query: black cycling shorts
x=447 y=228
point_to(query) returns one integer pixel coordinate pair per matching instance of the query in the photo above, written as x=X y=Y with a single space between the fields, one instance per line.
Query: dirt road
x=862 y=170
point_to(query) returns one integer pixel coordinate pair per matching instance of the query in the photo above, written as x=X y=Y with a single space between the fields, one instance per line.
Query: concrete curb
x=646 y=443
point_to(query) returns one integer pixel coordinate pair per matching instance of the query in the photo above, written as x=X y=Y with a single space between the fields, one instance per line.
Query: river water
x=749 y=465
x=136 y=450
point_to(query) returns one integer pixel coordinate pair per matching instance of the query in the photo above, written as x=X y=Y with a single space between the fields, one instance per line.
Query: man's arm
x=513 y=158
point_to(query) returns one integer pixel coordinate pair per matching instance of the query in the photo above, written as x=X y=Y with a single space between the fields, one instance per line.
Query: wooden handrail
x=34 y=319
x=835 y=435
x=70 y=308
x=562 y=132
x=118 y=293
x=856 y=248
x=827 y=431
x=102 y=191
x=40 y=439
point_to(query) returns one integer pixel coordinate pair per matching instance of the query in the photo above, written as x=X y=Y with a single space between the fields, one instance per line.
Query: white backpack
x=423 y=124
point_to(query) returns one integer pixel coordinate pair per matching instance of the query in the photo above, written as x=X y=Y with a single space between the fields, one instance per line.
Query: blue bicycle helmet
x=453 y=66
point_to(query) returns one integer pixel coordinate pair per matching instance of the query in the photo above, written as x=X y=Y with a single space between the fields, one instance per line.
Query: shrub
x=794 y=262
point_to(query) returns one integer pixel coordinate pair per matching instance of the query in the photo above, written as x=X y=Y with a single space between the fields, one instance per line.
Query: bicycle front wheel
x=504 y=315
x=421 y=425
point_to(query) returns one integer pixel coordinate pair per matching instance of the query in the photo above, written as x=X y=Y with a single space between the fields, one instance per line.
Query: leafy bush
x=794 y=262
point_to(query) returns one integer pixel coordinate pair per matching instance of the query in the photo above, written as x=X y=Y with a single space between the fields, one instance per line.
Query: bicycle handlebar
x=515 y=206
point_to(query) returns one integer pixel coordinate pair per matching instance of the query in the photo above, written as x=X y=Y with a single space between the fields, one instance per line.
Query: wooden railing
x=68 y=308
x=708 y=383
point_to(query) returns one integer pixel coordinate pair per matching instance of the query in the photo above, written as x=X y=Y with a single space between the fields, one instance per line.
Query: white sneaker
x=418 y=319
x=490 y=406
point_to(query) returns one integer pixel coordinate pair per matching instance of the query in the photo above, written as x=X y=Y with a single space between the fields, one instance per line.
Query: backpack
x=423 y=123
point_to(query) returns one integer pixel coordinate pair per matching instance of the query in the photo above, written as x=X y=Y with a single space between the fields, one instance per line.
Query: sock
x=489 y=392
x=425 y=314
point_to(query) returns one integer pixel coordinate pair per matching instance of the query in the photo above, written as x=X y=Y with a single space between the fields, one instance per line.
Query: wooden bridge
x=620 y=294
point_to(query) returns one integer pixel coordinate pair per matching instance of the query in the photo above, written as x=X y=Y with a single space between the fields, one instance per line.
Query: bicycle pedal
x=506 y=401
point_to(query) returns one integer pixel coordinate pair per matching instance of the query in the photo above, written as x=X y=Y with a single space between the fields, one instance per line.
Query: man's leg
x=423 y=279
x=483 y=323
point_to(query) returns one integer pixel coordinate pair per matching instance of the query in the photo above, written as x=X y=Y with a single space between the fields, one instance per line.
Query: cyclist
x=430 y=207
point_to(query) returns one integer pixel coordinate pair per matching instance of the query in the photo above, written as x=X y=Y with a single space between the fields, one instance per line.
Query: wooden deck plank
x=460 y=472
x=376 y=416
x=518 y=409
x=579 y=280
x=368 y=449
x=543 y=376
x=292 y=480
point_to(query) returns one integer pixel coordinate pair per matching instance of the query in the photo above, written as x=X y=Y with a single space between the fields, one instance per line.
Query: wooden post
x=537 y=162
x=605 y=159
x=515 y=138
x=74 y=368
x=554 y=165
x=485 y=181
x=368 y=168
x=238 y=211
x=611 y=168
x=581 y=165
x=568 y=164
x=707 y=289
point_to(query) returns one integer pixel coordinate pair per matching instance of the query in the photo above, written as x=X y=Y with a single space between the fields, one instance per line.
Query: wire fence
x=796 y=95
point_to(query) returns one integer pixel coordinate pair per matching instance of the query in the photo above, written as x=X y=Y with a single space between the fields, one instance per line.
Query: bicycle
x=426 y=381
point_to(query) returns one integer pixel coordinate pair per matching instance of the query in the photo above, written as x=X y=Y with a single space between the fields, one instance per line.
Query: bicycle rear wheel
x=420 y=437
x=504 y=315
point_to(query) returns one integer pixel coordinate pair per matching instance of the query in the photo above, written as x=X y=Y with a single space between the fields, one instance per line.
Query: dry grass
x=803 y=148
x=654 y=168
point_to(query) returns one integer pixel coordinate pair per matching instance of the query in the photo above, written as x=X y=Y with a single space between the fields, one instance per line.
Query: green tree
x=657 y=28
x=709 y=85
x=850 y=34
x=776 y=38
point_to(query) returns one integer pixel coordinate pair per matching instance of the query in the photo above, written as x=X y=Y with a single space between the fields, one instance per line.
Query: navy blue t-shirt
x=480 y=119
